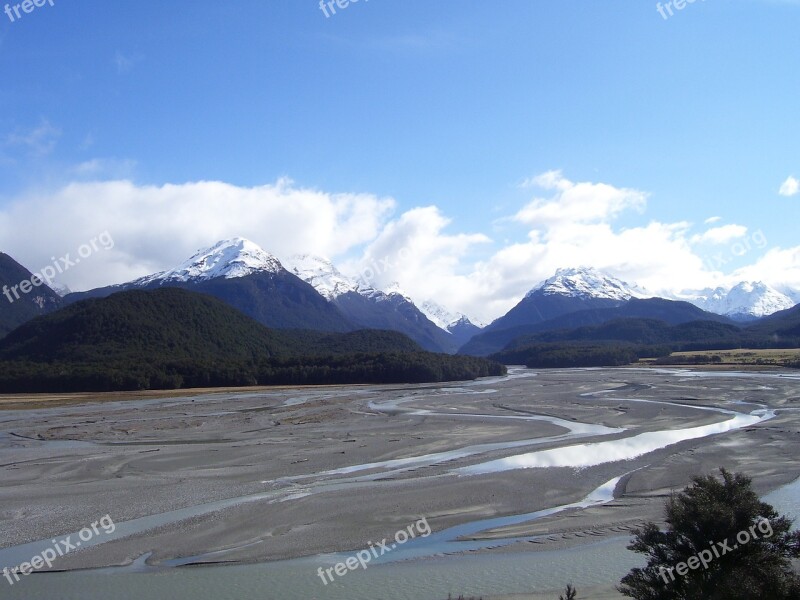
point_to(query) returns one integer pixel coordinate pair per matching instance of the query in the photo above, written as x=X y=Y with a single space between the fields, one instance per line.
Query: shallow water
x=420 y=569
x=603 y=562
x=391 y=577
x=598 y=453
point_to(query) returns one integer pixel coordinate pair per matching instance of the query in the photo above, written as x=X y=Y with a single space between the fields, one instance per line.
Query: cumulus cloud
x=577 y=202
x=416 y=252
x=779 y=267
x=157 y=227
x=566 y=224
x=790 y=187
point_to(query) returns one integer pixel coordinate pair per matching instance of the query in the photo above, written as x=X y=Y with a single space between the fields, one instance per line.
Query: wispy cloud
x=106 y=168
x=37 y=142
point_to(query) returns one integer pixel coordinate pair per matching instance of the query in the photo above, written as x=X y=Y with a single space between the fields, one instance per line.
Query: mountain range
x=745 y=301
x=367 y=307
x=309 y=292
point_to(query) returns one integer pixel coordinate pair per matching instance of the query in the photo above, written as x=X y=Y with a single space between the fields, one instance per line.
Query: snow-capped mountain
x=457 y=324
x=368 y=307
x=393 y=289
x=332 y=283
x=236 y=257
x=322 y=275
x=587 y=282
x=744 y=301
x=568 y=291
x=444 y=317
x=250 y=279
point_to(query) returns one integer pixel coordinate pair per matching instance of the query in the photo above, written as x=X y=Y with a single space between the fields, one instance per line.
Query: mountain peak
x=445 y=318
x=321 y=273
x=232 y=258
x=745 y=300
x=587 y=282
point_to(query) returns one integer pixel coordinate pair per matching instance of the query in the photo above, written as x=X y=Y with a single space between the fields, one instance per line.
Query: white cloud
x=779 y=267
x=573 y=225
x=577 y=202
x=712 y=220
x=569 y=224
x=790 y=187
x=157 y=227
x=720 y=235
x=415 y=251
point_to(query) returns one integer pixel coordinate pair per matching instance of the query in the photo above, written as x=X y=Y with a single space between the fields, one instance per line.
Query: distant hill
x=15 y=311
x=173 y=338
x=622 y=341
x=783 y=324
x=639 y=331
x=668 y=311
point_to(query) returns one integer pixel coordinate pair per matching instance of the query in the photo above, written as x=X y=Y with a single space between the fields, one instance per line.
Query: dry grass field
x=771 y=357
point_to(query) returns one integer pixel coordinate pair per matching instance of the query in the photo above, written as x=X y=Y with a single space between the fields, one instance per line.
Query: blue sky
x=389 y=106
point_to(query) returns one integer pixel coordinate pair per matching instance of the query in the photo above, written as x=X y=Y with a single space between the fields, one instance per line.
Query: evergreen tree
x=722 y=543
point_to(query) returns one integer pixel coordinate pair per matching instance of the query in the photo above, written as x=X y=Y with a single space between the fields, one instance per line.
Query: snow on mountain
x=332 y=283
x=745 y=300
x=587 y=282
x=230 y=259
x=392 y=292
x=322 y=275
x=366 y=306
x=443 y=317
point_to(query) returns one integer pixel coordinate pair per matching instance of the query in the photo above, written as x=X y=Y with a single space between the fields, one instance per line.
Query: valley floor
x=257 y=476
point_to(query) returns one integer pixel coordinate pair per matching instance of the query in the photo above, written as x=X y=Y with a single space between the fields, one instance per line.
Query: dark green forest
x=171 y=338
x=625 y=341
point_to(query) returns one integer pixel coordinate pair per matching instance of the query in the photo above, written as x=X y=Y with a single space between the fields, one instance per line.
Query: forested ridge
x=625 y=341
x=172 y=338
